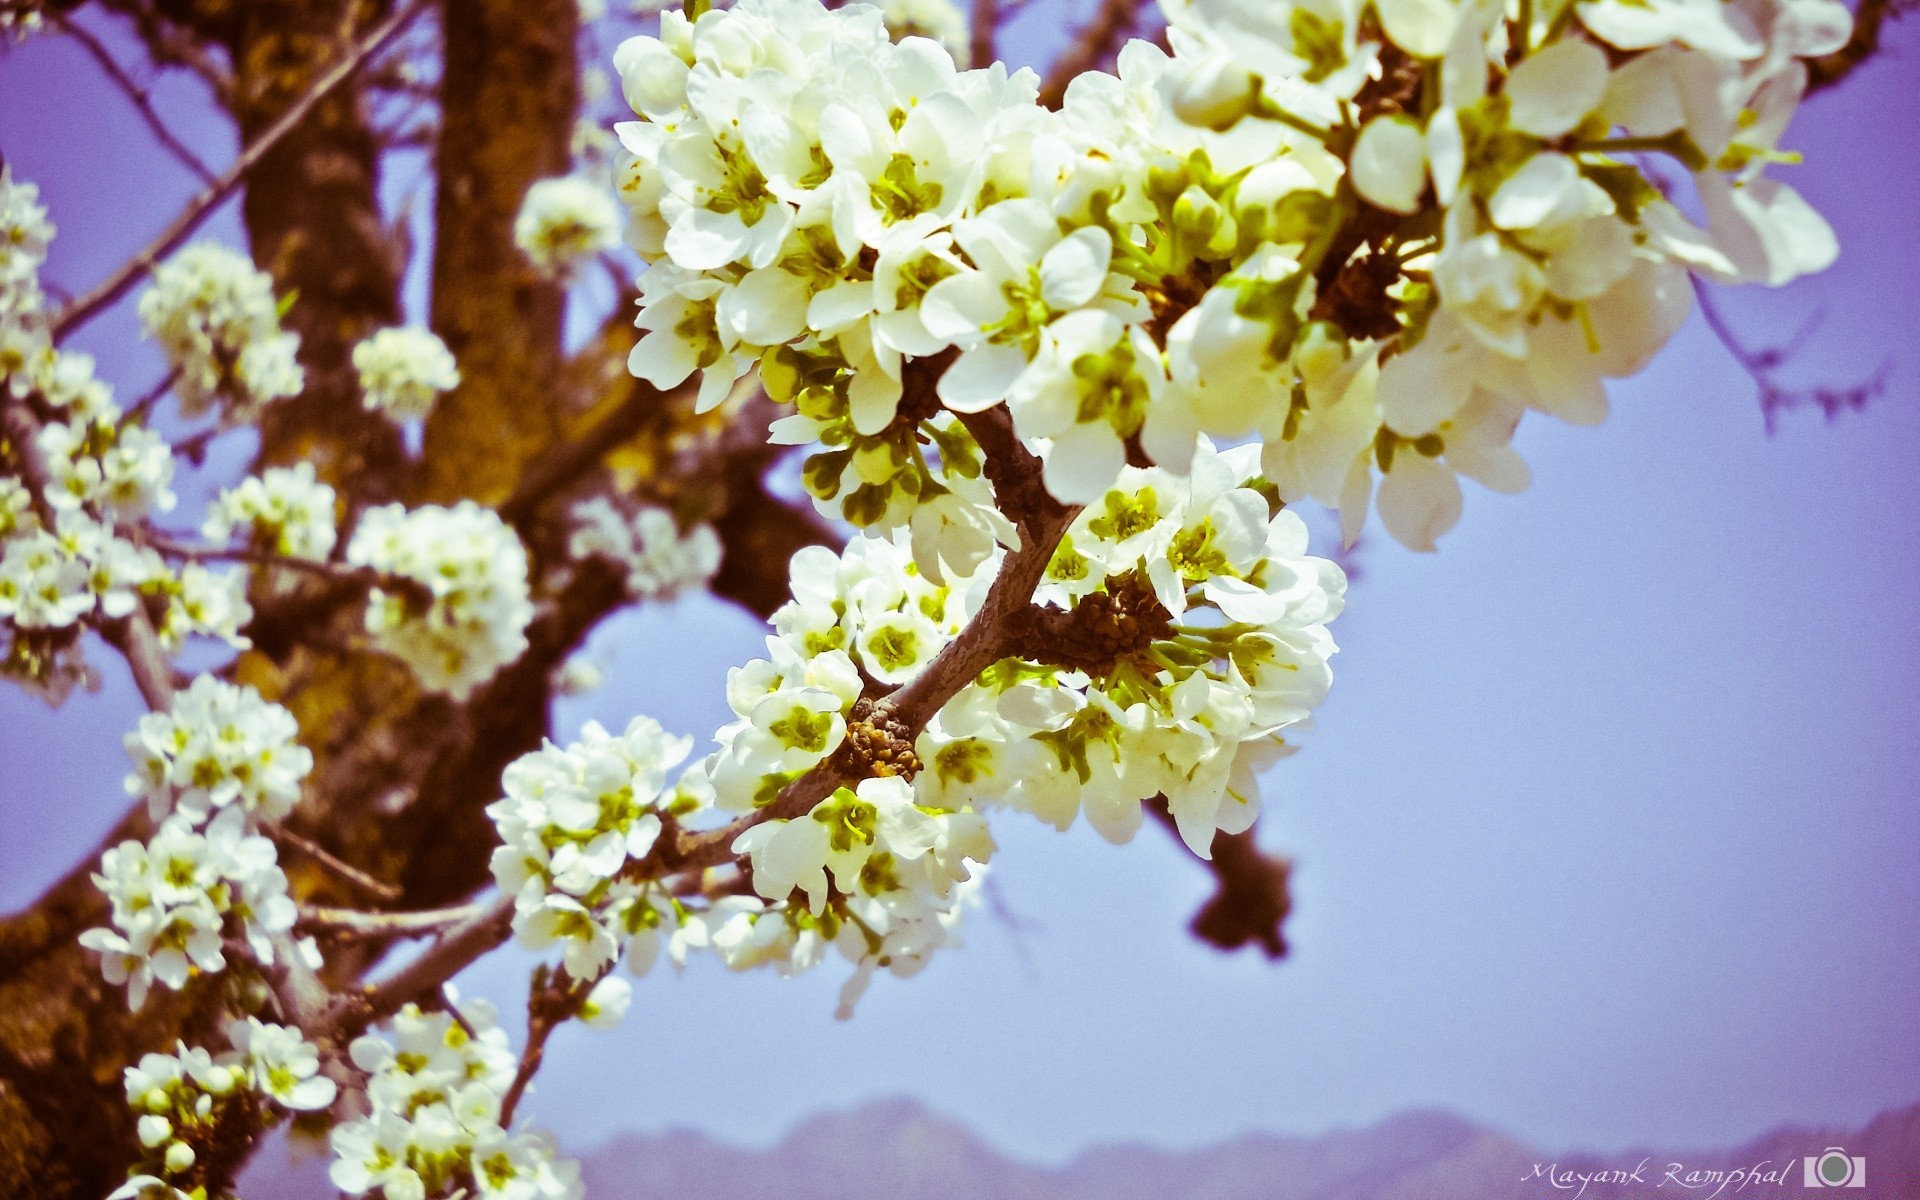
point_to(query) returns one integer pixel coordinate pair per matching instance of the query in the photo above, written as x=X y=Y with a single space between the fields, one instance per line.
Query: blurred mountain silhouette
x=900 y=1150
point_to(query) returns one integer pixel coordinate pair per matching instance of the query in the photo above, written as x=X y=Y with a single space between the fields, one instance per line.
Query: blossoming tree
x=1060 y=360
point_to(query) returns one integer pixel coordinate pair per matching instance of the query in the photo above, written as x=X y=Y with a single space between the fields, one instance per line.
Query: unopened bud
x=180 y=1156
x=154 y=1130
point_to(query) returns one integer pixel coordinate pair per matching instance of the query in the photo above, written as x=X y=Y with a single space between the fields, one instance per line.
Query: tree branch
x=324 y=919
x=563 y=465
x=1868 y=21
x=422 y=977
x=286 y=839
x=202 y=205
x=553 y=1000
x=1763 y=366
x=981 y=33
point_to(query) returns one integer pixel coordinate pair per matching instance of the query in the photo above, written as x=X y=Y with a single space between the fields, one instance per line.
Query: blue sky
x=1607 y=835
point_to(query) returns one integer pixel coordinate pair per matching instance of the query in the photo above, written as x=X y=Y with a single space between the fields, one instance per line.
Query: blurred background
x=1609 y=835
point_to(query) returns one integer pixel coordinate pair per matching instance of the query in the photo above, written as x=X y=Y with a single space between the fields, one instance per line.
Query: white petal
x=980 y=379
x=1072 y=272
x=1419 y=500
x=1390 y=164
x=1554 y=90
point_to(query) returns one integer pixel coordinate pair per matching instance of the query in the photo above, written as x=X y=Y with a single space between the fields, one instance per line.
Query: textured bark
x=312 y=213
x=508 y=100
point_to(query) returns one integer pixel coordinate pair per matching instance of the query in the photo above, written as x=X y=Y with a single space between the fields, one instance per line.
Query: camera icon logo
x=1834 y=1168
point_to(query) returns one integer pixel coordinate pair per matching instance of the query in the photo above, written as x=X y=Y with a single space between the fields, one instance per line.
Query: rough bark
x=508 y=97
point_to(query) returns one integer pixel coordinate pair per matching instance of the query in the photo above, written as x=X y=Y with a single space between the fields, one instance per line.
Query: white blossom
x=403 y=371
x=660 y=561
x=218 y=745
x=474 y=569
x=216 y=320
x=284 y=510
x=563 y=221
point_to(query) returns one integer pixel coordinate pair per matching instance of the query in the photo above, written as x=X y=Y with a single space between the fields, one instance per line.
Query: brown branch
x=1099 y=38
x=564 y=464
x=140 y=97
x=1253 y=900
x=1868 y=20
x=340 y=868
x=360 y=577
x=984 y=641
x=553 y=1000
x=422 y=977
x=202 y=205
x=321 y=918
x=981 y=51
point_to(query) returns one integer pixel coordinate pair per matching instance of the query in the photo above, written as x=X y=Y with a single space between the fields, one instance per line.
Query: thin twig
x=141 y=98
x=438 y=963
x=365 y=577
x=553 y=1000
x=145 y=404
x=202 y=205
x=1763 y=364
x=286 y=839
x=385 y=924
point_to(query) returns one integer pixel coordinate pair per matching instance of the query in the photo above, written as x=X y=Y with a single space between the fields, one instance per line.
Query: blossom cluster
x=1180 y=631
x=564 y=221
x=214 y=768
x=215 y=317
x=190 y=1102
x=75 y=472
x=435 y=1089
x=175 y=898
x=218 y=746
x=285 y=511
x=474 y=569
x=660 y=561
x=403 y=371
x=570 y=823
x=1370 y=243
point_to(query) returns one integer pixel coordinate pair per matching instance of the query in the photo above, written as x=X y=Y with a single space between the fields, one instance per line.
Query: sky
x=1609 y=833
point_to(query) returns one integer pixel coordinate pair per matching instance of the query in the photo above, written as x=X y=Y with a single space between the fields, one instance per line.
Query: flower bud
x=1216 y=93
x=180 y=1156
x=1196 y=214
x=154 y=1130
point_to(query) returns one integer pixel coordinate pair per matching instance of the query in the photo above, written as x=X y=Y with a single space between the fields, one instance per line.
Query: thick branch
x=508 y=101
